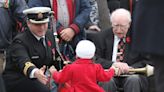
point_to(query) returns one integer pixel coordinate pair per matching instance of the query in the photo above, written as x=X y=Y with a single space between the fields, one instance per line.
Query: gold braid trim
x=27 y=66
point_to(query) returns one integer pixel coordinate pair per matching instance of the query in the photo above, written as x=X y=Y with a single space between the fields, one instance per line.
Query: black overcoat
x=148 y=28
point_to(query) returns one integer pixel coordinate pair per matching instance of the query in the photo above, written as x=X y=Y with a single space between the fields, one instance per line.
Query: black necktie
x=120 y=52
x=46 y=50
x=42 y=41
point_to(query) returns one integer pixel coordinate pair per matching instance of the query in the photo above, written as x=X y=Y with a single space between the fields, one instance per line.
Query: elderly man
x=113 y=48
x=29 y=53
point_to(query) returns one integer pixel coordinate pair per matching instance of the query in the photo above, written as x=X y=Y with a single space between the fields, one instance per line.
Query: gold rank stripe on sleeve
x=27 y=66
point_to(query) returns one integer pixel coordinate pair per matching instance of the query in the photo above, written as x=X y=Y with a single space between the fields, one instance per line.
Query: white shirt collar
x=118 y=39
x=37 y=37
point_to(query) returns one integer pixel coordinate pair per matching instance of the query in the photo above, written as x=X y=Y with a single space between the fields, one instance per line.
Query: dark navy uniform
x=25 y=54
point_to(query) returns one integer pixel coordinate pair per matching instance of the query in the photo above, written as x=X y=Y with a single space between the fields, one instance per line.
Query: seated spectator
x=114 y=48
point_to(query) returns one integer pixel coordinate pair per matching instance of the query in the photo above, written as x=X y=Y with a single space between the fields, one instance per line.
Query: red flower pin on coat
x=128 y=40
x=49 y=43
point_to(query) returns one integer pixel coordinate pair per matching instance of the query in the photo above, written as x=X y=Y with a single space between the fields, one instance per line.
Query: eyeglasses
x=122 y=27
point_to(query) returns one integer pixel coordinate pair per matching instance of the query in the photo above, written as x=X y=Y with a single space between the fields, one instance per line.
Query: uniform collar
x=37 y=37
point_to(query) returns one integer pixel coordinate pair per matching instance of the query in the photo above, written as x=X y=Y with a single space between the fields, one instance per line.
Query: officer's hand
x=39 y=74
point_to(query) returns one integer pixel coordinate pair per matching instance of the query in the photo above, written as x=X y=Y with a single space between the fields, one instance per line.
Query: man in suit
x=107 y=44
x=148 y=30
x=30 y=52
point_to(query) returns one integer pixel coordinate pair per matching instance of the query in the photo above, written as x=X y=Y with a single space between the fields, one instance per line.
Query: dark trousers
x=159 y=72
x=23 y=84
x=132 y=83
x=2 y=87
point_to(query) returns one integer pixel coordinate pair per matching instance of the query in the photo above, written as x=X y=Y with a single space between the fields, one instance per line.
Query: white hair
x=122 y=12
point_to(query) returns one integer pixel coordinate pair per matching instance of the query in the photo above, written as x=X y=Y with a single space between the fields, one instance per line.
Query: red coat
x=82 y=76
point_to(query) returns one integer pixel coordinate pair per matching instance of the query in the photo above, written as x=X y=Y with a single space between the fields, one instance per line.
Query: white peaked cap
x=85 y=49
x=38 y=15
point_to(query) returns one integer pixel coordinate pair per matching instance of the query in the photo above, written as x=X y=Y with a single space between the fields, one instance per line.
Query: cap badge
x=40 y=15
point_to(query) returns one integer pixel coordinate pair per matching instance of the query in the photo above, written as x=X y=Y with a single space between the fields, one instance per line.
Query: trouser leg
x=132 y=84
x=109 y=86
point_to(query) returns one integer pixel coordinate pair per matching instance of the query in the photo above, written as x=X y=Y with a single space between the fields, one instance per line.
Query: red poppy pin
x=128 y=40
x=49 y=43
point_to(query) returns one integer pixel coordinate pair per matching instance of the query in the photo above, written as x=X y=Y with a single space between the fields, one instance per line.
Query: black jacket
x=148 y=27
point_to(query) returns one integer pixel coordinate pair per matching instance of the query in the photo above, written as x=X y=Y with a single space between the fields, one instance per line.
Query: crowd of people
x=45 y=48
